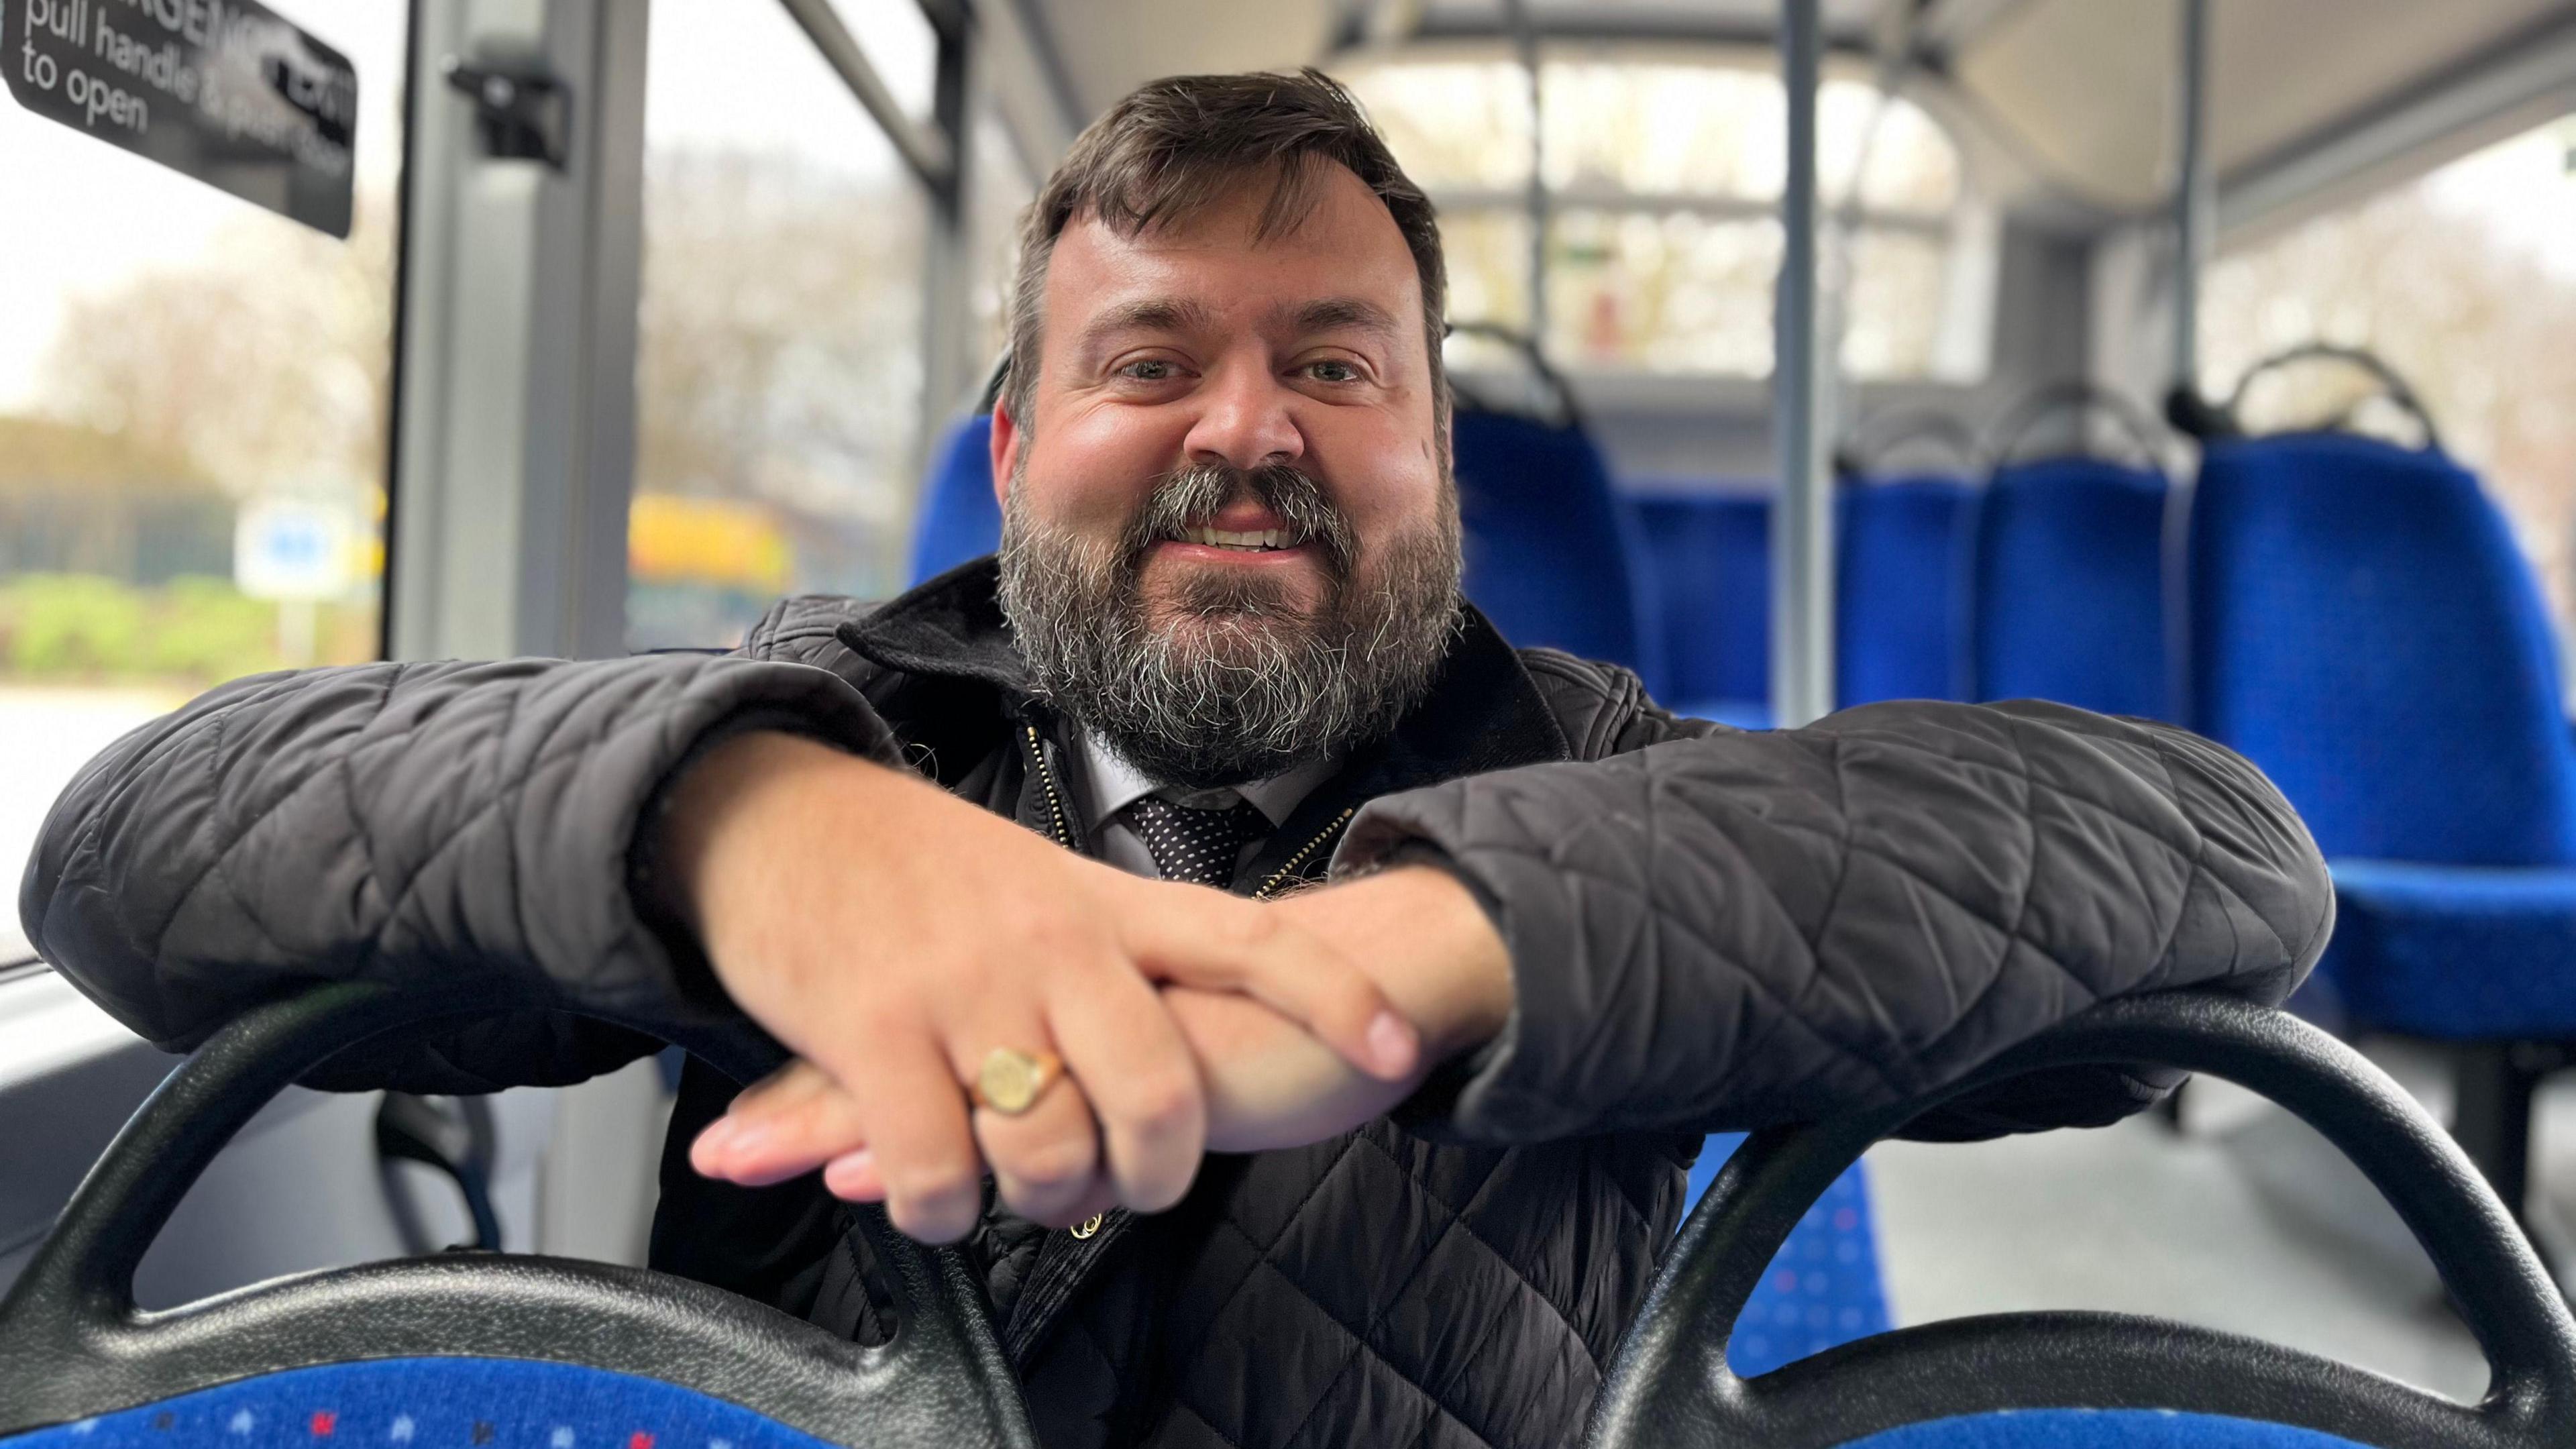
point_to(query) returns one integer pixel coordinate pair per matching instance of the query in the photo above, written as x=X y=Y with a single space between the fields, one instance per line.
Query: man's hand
x=892 y=935
x=1268 y=1082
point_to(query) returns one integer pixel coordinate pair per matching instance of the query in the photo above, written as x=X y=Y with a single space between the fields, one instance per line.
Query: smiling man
x=1302 y=1004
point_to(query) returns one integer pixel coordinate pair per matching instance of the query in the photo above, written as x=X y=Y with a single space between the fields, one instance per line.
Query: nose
x=1244 y=420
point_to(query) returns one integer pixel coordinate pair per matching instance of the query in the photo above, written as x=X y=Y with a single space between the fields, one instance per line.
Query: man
x=957 y=852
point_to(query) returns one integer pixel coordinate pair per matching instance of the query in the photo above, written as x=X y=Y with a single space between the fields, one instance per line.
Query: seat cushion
x=429 y=1403
x=2459 y=952
x=2099 y=1429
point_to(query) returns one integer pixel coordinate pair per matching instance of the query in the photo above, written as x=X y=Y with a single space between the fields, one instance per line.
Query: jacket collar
x=1483 y=711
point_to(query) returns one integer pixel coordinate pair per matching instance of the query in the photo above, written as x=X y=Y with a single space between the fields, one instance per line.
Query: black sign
x=223 y=90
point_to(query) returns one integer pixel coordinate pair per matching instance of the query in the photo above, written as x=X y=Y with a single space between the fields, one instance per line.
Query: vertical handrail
x=2194 y=196
x=1802 y=531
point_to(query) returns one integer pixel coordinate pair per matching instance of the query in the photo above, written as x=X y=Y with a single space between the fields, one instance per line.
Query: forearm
x=1745 y=928
x=431 y=823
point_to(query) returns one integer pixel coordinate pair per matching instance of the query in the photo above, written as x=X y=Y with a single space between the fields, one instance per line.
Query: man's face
x=1232 y=465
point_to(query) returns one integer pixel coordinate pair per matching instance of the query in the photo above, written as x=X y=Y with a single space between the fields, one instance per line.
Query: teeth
x=1223 y=538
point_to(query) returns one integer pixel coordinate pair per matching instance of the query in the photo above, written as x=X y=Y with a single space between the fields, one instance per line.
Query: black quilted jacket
x=1709 y=929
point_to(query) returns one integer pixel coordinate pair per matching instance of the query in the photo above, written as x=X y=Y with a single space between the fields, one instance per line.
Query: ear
x=1006 y=449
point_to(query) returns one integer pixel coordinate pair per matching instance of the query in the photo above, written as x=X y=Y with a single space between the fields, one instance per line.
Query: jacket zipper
x=1046 y=779
x=1270 y=887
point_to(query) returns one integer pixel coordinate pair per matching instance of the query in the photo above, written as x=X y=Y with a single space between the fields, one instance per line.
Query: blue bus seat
x=1706 y=555
x=420 y=1403
x=2100 y=1429
x=1548 y=547
x=1900 y=580
x=1823 y=1288
x=960 y=518
x=2068 y=598
x=2365 y=629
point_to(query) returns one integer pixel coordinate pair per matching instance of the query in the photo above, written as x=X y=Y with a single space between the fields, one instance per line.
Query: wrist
x=1432 y=948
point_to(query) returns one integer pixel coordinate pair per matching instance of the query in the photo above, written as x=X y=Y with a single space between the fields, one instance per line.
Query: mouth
x=1267 y=540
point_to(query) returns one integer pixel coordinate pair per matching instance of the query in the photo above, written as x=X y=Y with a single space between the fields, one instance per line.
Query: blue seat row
x=2047 y=582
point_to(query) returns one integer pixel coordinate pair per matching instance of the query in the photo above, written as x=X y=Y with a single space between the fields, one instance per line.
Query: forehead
x=1344 y=244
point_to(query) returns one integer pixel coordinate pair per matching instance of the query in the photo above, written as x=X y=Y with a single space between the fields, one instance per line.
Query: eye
x=1332 y=369
x=1149 y=369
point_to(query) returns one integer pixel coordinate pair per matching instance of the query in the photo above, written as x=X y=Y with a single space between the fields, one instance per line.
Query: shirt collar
x=1112 y=784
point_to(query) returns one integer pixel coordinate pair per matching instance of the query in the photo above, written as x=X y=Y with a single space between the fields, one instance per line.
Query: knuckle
x=1163 y=1101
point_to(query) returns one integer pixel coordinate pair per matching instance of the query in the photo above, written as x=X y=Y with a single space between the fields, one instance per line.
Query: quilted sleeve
x=1723 y=929
x=449 y=825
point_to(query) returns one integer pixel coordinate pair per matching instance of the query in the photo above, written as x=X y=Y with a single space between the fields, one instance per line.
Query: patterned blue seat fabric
x=2099 y=1429
x=1901 y=579
x=431 y=1403
x=1822 y=1290
x=1707 y=556
x=2365 y=629
x=960 y=517
x=2069 y=587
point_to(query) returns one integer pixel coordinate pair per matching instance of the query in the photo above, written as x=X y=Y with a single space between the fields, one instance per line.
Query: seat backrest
x=1547 y=545
x=960 y=519
x=1901 y=559
x=2364 y=628
x=1707 y=558
x=1823 y=1288
x=2068 y=594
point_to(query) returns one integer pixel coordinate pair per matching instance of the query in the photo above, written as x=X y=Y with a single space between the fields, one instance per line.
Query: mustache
x=1192 y=496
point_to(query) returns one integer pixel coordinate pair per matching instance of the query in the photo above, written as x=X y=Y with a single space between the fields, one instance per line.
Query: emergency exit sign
x=225 y=91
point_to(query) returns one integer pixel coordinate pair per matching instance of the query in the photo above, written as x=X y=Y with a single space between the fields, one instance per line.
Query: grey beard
x=1241 y=685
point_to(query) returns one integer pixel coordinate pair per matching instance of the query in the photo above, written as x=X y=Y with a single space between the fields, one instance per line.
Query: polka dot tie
x=1196 y=845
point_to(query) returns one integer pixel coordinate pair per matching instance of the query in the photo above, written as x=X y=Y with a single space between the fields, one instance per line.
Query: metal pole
x=2195 y=196
x=1524 y=30
x=1802 y=521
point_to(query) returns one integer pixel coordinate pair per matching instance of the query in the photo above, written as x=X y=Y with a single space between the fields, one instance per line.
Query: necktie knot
x=1196 y=844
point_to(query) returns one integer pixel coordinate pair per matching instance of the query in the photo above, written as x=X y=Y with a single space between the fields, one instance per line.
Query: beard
x=1238 y=678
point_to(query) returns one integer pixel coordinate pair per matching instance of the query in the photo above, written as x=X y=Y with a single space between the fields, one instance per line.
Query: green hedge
x=193 y=631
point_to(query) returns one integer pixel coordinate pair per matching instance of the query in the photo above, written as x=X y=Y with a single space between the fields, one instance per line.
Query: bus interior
x=1807 y=353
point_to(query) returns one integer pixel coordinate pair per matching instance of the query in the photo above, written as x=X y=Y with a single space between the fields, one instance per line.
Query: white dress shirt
x=1108 y=785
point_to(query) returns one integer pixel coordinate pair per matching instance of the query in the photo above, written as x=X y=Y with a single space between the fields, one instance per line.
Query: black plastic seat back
x=73 y=1345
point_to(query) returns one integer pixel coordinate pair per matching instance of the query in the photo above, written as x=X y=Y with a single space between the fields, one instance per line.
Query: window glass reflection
x=778 y=374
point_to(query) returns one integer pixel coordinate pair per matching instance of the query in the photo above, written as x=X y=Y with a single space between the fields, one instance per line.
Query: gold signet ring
x=1010 y=1082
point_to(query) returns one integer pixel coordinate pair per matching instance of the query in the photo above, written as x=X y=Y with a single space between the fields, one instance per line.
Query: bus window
x=195 y=397
x=1662 y=178
x=778 y=371
x=2464 y=280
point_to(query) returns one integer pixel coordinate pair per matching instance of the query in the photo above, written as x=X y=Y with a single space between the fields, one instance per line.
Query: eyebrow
x=1149 y=314
x=1336 y=314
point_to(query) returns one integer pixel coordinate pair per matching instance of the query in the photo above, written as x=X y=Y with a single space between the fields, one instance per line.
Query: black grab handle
x=1671 y=1367
x=74 y=1345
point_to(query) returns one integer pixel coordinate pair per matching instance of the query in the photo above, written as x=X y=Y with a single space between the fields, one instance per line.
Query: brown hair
x=1176 y=145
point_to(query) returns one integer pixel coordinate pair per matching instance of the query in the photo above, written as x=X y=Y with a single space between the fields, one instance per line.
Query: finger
x=913 y=1114
x=853 y=1177
x=1043 y=1159
x=1204 y=939
x=1121 y=1045
x=784 y=1128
